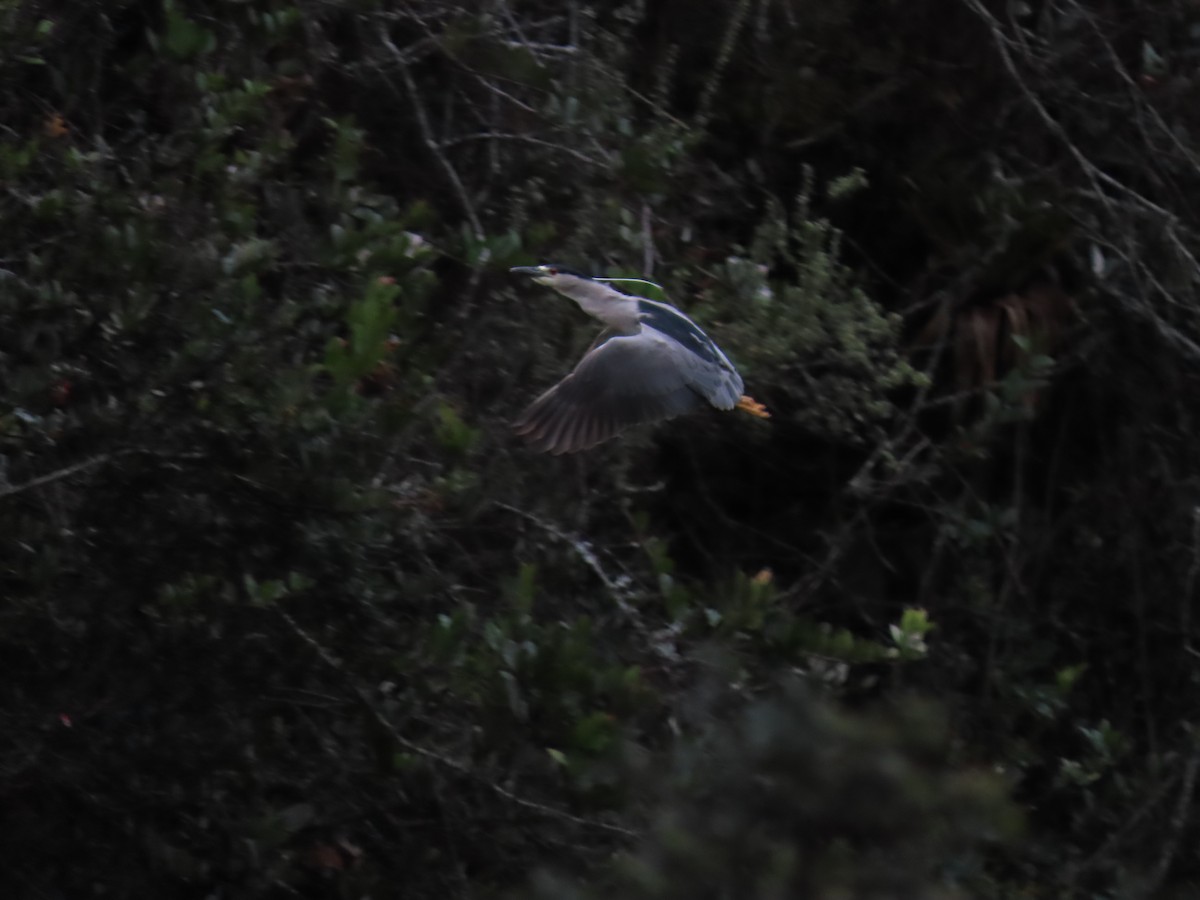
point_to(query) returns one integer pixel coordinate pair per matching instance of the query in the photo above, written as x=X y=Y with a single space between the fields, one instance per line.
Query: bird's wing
x=625 y=381
x=713 y=375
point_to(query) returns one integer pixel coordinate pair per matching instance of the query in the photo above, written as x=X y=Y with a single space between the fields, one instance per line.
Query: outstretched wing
x=625 y=381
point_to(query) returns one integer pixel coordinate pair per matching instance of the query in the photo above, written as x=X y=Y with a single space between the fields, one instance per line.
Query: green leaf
x=594 y=733
x=453 y=433
x=524 y=587
x=184 y=38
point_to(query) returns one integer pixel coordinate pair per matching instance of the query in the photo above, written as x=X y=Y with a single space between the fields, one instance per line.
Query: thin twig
x=98 y=460
x=1178 y=821
x=581 y=548
x=1189 y=583
x=516 y=27
x=56 y=476
x=1105 y=851
x=732 y=31
x=1134 y=92
x=524 y=139
x=648 y=251
x=427 y=134
x=544 y=48
x=1099 y=179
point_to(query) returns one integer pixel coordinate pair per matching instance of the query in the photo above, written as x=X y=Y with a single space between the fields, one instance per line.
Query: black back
x=678 y=327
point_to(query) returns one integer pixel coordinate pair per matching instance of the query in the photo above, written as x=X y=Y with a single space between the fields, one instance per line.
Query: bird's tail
x=750 y=405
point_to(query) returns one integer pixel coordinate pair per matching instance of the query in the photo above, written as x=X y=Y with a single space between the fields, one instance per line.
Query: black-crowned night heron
x=651 y=363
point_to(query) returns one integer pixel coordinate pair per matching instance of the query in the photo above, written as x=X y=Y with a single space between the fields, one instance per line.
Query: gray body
x=651 y=363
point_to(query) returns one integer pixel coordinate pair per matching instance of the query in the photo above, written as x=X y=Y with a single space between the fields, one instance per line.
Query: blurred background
x=286 y=610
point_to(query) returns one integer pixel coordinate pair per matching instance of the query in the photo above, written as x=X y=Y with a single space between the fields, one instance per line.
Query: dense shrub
x=285 y=608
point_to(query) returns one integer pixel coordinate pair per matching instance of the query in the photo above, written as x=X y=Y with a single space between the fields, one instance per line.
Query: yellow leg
x=752 y=406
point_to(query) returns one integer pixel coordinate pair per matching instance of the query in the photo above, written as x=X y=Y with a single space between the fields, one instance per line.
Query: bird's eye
x=550 y=270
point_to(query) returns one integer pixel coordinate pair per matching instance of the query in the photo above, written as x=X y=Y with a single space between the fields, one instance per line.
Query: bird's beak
x=526 y=270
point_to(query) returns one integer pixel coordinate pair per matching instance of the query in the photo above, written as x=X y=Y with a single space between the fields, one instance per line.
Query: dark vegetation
x=286 y=611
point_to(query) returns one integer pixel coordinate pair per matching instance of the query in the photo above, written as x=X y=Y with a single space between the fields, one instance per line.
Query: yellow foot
x=752 y=406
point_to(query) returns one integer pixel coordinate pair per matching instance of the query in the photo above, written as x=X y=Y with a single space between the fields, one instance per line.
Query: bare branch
x=1178 y=821
x=92 y=463
x=732 y=31
x=544 y=48
x=56 y=476
x=523 y=139
x=648 y=251
x=581 y=548
x=1119 y=202
x=427 y=132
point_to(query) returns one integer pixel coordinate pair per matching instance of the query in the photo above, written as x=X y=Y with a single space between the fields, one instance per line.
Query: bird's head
x=551 y=275
x=594 y=296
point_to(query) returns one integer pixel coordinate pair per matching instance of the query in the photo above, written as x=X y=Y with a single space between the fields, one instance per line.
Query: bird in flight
x=650 y=363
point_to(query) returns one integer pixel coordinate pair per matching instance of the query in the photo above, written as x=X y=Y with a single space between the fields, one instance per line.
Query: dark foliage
x=284 y=608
